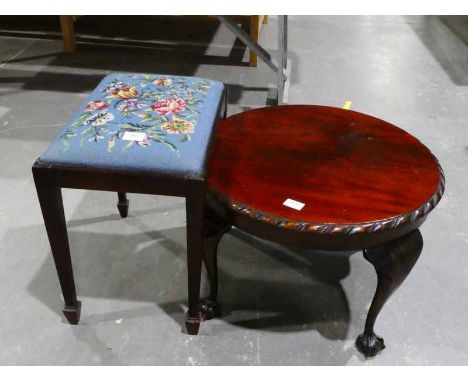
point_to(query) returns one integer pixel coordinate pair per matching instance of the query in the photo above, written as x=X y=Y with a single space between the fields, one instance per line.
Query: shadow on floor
x=158 y=44
x=176 y=45
x=91 y=62
x=283 y=290
x=164 y=33
x=29 y=73
x=262 y=286
x=446 y=37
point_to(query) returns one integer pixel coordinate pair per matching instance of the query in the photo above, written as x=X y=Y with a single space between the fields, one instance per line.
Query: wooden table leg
x=123 y=203
x=194 y=205
x=68 y=33
x=392 y=262
x=215 y=228
x=50 y=199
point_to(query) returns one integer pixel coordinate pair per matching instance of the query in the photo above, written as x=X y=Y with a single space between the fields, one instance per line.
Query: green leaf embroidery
x=82 y=118
x=145 y=119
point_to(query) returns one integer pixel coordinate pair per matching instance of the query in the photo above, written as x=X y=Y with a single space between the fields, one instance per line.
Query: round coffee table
x=323 y=178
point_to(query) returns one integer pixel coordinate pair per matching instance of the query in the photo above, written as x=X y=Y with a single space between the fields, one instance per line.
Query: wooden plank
x=254 y=35
x=68 y=33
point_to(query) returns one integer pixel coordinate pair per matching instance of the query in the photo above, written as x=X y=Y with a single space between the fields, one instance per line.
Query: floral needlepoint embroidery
x=168 y=106
x=96 y=138
x=145 y=115
x=125 y=92
x=114 y=86
x=99 y=119
x=140 y=103
x=178 y=126
x=162 y=81
x=130 y=105
x=96 y=105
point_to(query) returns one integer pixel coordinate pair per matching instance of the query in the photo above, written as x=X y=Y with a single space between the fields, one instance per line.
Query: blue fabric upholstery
x=173 y=117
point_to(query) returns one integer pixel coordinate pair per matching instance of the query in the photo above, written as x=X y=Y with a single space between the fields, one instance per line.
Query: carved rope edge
x=348 y=229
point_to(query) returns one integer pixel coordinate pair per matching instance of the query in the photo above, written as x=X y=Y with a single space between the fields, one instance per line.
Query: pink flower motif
x=130 y=105
x=96 y=105
x=168 y=106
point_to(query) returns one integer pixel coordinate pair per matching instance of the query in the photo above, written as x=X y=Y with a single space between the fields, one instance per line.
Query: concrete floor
x=282 y=307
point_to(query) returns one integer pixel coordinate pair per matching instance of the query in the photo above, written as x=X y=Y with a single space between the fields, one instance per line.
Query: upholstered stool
x=141 y=133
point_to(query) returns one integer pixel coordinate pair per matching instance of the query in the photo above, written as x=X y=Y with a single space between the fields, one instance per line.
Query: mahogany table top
x=345 y=167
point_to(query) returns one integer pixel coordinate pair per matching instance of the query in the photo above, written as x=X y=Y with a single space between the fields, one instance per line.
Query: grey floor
x=282 y=306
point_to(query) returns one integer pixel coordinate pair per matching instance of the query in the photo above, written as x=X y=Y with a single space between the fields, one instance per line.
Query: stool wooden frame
x=50 y=179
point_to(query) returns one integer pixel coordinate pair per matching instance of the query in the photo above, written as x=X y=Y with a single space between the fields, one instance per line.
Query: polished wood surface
x=346 y=167
x=366 y=185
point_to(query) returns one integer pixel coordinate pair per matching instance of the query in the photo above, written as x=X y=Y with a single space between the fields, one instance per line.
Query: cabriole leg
x=215 y=228
x=392 y=262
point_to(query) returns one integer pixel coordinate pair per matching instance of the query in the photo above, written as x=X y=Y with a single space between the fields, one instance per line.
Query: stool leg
x=194 y=206
x=123 y=203
x=50 y=199
x=392 y=262
x=214 y=231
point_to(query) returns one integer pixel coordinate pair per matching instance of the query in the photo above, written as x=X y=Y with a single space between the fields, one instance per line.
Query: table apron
x=321 y=241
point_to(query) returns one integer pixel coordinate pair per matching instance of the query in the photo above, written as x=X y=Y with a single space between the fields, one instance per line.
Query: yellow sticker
x=347 y=105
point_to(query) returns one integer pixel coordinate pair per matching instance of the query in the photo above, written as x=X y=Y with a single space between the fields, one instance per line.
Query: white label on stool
x=134 y=136
x=293 y=204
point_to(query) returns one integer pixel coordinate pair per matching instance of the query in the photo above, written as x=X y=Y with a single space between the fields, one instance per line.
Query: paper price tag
x=293 y=204
x=134 y=136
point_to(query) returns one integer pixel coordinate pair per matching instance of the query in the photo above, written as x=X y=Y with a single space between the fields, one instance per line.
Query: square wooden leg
x=122 y=204
x=195 y=203
x=50 y=199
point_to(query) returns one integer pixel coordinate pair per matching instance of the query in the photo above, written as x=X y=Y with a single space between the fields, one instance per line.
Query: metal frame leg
x=280 y=67
x=282 y=56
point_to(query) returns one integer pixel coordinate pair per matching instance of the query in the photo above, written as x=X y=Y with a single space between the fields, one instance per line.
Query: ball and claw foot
x=210 y=309
x=192 y=324
x=123 y=207
x=72 y=313
x=369 y=344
